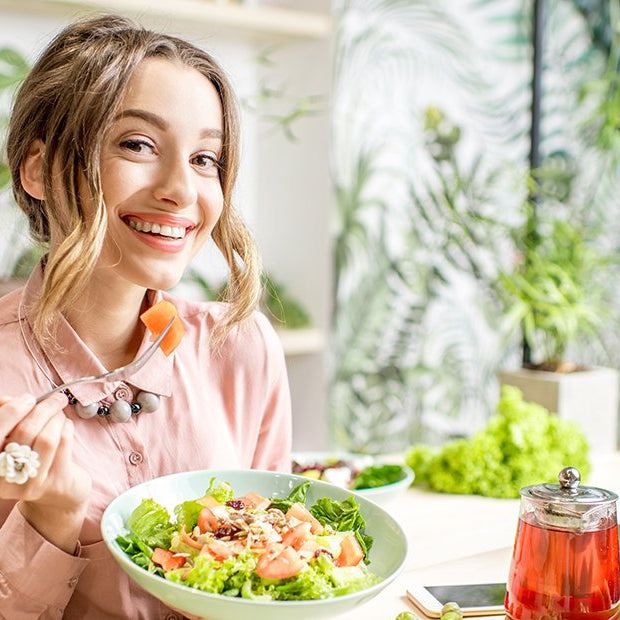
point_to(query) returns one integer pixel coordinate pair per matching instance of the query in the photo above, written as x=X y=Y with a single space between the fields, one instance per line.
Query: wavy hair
x=69 y=101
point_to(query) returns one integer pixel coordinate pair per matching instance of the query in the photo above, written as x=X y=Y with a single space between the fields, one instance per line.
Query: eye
x=206 y=160
x=138 y=145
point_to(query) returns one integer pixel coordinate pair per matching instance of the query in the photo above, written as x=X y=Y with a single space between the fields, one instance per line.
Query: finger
x=65 y=451
x=30 y=426
x=13 y=411
x=47 y=444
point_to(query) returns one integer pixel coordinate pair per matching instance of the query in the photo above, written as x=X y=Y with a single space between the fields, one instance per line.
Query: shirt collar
x=72 y=358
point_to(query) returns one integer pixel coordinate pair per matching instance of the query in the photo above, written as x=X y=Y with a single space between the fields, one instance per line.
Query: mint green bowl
x=387 y=555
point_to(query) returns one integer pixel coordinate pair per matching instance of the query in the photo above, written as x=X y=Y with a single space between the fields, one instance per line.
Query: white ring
x=18 y=463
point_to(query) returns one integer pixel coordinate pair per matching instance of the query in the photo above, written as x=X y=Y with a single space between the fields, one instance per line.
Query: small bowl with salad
x=373 y=477
x=246 y=543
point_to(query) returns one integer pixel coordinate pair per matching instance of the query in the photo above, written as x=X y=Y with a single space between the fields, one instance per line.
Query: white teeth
x=175 y=232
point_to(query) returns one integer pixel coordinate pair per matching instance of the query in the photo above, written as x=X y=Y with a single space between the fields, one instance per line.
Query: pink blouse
x=218 y=411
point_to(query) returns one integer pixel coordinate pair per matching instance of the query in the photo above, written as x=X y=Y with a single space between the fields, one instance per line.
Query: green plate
x=387 y=555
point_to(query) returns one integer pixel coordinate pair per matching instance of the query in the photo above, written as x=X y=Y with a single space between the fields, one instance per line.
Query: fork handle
x=64 y=386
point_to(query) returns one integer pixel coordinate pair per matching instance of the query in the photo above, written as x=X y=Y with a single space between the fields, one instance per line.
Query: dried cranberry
x=224 y=530
x=319 y=551
x=236 y=504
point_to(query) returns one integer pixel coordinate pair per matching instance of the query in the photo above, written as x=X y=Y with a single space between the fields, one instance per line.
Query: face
x=160 y=174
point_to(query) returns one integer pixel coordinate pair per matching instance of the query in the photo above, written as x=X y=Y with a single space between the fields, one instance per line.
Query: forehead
x=178 y=93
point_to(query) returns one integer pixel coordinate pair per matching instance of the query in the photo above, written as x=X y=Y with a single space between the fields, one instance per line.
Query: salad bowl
x=387 y=554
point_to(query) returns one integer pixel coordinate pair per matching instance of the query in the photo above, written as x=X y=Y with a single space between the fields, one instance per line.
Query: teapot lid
x=568 y=491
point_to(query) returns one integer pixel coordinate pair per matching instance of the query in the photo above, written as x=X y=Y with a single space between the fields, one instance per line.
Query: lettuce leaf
x=150 y=522
x=378 y=476
x=228 y=577
x=187 y=513
x=298 y=494
x=139 y=552
x=221 y=491
x=343 y=516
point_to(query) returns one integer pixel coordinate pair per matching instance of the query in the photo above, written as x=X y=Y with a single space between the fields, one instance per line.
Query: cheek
x=213 y=206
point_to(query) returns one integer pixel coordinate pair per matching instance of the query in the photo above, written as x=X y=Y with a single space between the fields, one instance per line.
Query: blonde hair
x=68 y=101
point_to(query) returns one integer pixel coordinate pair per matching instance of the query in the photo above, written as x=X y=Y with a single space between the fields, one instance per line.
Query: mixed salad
x=354 y=473
x=254 y=547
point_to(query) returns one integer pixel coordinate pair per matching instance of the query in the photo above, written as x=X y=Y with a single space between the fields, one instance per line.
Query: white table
x=459 y=539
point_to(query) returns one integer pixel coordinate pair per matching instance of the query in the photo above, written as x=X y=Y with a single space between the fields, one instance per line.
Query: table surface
x=459 y=539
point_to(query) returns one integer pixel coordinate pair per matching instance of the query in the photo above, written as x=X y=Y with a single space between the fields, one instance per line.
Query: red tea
x=564 y=575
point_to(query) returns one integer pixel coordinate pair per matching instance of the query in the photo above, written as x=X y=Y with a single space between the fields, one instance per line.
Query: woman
x=123 y=148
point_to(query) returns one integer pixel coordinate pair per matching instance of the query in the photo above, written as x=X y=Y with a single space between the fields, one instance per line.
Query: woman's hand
x=54 y=502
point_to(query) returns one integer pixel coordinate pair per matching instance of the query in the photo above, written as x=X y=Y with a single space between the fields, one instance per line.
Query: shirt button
x=135 y=458
x=122 y=393
x=73 y=582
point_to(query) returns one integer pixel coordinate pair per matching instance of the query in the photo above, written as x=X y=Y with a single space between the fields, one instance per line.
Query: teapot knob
x=569 y=479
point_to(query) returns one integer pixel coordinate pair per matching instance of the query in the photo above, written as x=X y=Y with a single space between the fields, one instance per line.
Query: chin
x=157 y=280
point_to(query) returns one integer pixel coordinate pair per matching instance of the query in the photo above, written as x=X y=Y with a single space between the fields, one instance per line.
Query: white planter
x=589 y=397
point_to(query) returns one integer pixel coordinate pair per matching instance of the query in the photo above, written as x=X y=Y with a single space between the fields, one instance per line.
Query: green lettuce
x=298 y=494
x=150 y=522
x=378 y=476
x=227 y=577
x=139 y=552
x=342 y=517
x=221 y=491
x=187 y=513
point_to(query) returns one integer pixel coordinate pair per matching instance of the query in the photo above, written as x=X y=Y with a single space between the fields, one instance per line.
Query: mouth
x=156 y=229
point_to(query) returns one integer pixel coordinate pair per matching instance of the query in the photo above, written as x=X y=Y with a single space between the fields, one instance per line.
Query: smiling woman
x=123 y=149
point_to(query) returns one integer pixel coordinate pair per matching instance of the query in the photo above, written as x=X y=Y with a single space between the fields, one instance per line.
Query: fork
x=121 y=372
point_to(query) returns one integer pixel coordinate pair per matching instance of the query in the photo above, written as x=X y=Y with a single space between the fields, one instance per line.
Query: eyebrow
x=160 y=123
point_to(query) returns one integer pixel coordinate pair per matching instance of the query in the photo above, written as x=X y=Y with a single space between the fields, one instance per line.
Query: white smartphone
x=474 y=599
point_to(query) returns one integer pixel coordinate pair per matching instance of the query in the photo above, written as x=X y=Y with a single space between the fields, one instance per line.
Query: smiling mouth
x=158 y=230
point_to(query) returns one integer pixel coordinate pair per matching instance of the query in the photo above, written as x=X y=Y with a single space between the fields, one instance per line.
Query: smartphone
x=474 y=599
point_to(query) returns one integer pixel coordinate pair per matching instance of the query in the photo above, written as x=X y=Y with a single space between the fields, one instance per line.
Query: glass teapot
x=565 y=564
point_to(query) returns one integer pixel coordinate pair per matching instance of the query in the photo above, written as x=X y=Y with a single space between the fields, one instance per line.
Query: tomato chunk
x=157 y=317
x=255 y=501
x=166 y=559
x=351 y=553
x=207 y=521
x=297 y=536
x=279 y=562
x=300 y=512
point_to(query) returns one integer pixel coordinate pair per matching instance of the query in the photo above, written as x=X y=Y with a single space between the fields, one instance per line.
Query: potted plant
x=558 y=295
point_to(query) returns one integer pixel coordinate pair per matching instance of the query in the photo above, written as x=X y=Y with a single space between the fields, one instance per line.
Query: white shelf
x=212 y=18
x=301 y=341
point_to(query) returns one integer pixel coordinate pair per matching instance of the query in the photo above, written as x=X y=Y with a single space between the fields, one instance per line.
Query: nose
x=175 y=182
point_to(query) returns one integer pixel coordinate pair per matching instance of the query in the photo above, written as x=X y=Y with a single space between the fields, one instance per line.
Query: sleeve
x=37 y=579
x=273 y=447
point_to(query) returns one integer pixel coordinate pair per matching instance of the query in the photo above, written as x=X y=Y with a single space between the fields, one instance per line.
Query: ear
x=31 y=170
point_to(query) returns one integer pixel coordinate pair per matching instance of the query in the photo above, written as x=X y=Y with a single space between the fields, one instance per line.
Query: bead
x=86 y=411
x=72 y=400
x=135 y=408
x=120 y=411
x=103 y=411
x=148 y=401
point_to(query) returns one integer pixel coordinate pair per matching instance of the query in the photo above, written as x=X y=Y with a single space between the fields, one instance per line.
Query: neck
x=107 y=319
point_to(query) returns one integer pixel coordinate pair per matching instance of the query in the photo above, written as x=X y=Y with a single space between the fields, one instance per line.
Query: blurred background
x=433 y=186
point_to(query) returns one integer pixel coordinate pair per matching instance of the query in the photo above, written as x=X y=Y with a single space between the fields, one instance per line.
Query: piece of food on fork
x=156 y=319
